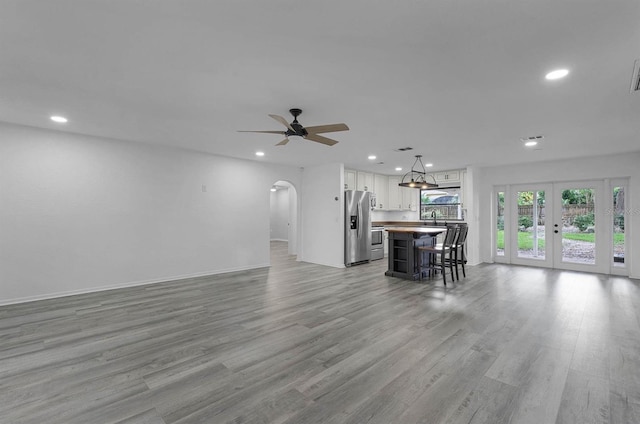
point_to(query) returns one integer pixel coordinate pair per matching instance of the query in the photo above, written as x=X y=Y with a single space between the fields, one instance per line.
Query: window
x=617 y=212
x=440 y=203
x=500 y=224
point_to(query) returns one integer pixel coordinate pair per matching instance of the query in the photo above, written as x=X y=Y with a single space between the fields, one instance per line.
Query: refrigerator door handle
x=359 y=224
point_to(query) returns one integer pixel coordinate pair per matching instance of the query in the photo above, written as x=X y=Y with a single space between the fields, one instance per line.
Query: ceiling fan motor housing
x=300 y=131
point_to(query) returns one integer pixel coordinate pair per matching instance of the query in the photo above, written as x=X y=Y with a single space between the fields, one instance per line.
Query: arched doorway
x=284 y=215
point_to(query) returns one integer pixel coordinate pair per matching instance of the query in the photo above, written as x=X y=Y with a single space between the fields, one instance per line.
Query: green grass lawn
x=618 y=238
x=525 y=239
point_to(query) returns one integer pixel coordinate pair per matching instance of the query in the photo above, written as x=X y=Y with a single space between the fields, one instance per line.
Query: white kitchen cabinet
x=402 y=198
x=364 y=181
x=447 y=177
x=410 y=198
x=381 y=189
x=389 y=195
x=349 y=179
x=395 y=195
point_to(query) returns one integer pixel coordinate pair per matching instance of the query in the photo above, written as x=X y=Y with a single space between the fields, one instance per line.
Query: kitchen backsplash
x=394 y=215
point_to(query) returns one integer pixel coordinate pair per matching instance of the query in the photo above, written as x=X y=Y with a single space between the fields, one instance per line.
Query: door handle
x=358 y=218
x=359 y=221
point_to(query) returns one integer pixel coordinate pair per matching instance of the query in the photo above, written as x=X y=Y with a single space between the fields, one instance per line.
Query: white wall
x=604 y=167
x=293 y=221
x=322 y=213
x=471 y=196
x=82 y=213
x=280 y=214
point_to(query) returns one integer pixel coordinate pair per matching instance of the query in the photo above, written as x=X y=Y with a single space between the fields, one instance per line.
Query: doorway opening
x=283 y=228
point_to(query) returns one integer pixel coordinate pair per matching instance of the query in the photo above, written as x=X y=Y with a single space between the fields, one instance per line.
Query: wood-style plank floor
x=302 y=343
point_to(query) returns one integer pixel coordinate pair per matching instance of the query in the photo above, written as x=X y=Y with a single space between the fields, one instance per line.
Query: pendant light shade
x=417 y=177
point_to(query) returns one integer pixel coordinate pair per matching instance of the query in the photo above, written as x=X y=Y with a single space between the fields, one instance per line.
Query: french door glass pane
x=531 y=230
x=500 y=224
x=618 y=226
x=578 y=226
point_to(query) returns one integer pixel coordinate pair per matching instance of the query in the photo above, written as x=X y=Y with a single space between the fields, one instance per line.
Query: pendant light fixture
x=417 y=177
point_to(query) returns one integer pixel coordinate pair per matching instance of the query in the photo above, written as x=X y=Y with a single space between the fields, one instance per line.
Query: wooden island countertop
x=419 y=230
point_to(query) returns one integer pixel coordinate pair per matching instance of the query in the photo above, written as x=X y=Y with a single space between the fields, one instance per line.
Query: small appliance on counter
x=357 y=238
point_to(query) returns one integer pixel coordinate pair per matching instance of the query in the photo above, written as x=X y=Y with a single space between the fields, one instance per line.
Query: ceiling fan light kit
x=309 y=133
x=417 y=177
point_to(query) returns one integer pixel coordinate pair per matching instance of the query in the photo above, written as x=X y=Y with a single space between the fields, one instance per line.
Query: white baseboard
x=340 y=265
x=46 y=296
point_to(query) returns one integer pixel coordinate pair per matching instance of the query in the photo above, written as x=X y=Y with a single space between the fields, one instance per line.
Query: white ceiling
x=460 y=81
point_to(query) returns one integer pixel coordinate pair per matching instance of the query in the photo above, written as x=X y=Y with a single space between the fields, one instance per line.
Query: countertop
x=422 y=230
x=414 y=223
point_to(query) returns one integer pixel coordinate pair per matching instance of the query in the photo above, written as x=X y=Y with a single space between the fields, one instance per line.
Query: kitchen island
x=403 y=258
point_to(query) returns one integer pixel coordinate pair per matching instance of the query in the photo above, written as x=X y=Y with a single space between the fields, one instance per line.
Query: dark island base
x=403 y=258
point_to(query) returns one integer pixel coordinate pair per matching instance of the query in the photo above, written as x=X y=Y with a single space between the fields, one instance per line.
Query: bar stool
x=439 y=255
x=458 y=249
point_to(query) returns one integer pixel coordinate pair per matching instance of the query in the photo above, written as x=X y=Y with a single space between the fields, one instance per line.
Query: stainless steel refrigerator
x=357 y=239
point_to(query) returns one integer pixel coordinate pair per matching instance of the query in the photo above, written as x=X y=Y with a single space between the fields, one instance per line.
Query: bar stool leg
x=455 y=261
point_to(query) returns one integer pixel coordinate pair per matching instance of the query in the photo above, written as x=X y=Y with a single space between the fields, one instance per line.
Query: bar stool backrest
x=462 y=234
x=451 y=236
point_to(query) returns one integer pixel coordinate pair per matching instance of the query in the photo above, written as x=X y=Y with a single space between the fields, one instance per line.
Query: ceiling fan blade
x=326 y=128
x=282 y=121
x=267 y=132
x=283 y=142
x=320 y=139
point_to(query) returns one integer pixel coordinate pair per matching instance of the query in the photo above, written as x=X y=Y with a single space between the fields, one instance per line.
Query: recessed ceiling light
x=372 y=157
x=557 y=74
x=428 y=165
x=531 y=141
x=398 y=169
x=59 y=119
x=259 y=153
x=273 y=189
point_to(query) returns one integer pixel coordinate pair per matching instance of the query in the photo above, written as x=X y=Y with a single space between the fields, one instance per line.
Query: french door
x=559 y=225
x=528 y=235
x=579 y=229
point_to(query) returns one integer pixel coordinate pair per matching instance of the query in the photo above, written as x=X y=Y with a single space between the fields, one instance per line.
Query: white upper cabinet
x=381 y=189
x=364 y=181
x=402 y=198
x=447 y=177
x=349 y=179
x=395 y=195
x=389 y=195
x=410 y=198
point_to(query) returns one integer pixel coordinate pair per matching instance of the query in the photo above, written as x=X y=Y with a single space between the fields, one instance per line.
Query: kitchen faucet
x=433 y=215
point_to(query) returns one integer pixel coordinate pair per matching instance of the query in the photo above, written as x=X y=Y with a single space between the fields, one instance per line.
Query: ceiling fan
x=309 y=133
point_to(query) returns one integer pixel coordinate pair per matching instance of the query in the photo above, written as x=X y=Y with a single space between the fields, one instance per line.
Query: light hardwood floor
x=302 y=343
